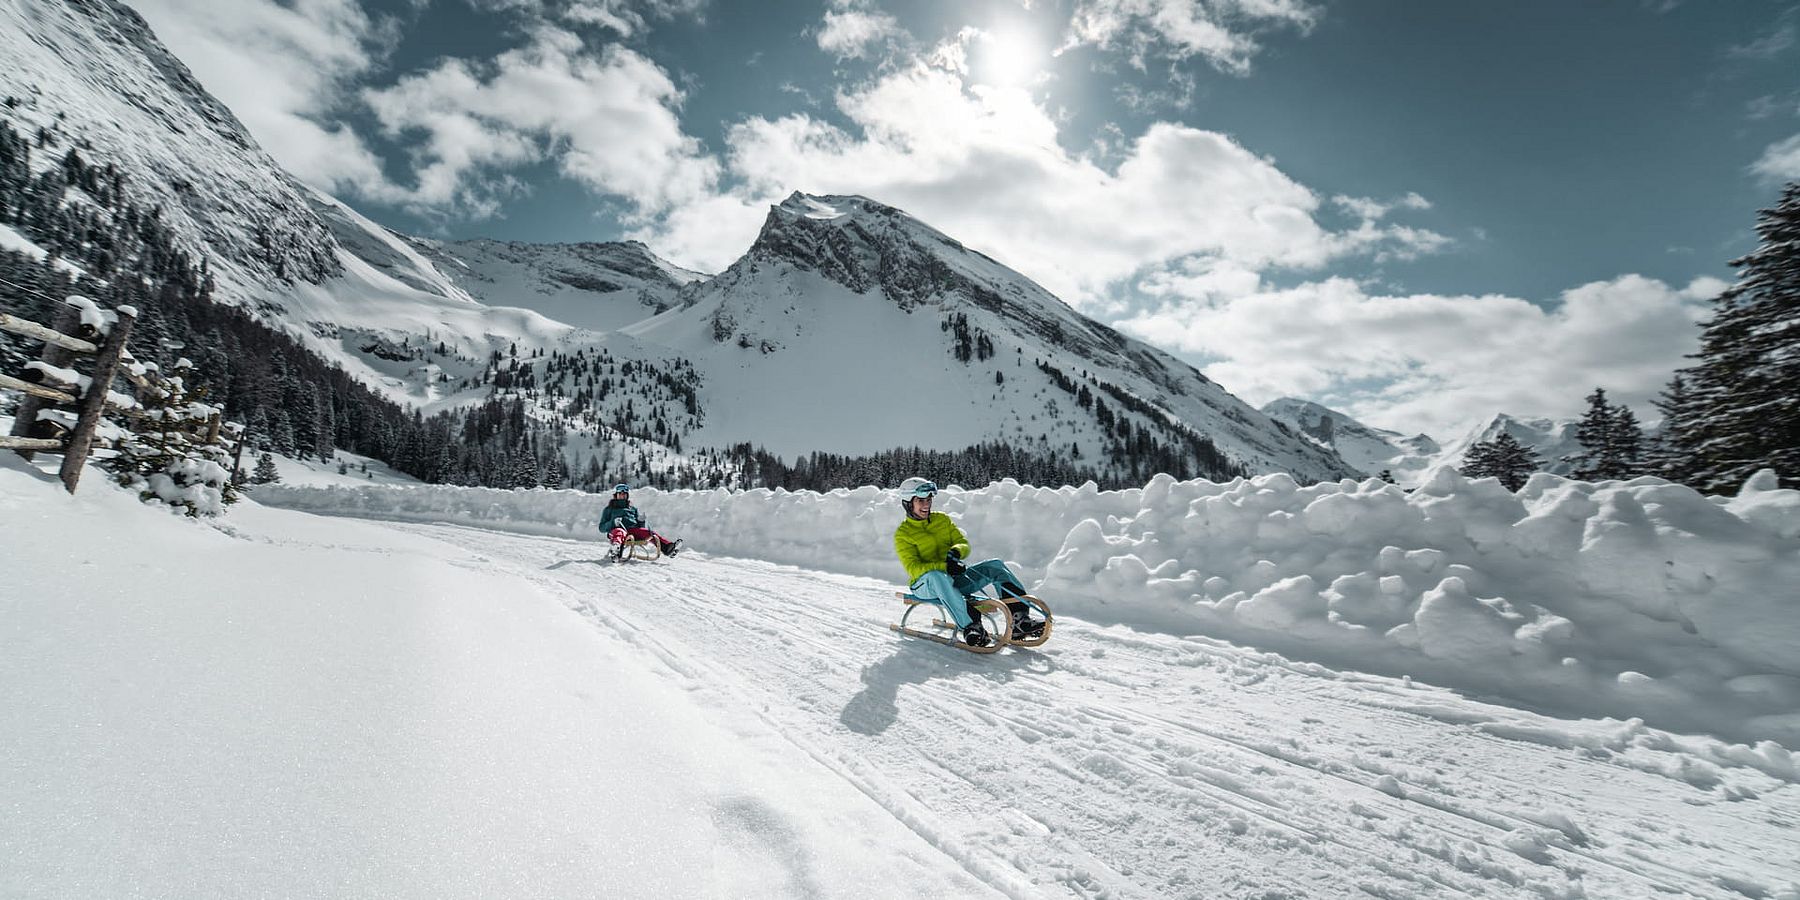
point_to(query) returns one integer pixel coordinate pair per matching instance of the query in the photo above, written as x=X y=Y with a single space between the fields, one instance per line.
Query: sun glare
x=1008 y=59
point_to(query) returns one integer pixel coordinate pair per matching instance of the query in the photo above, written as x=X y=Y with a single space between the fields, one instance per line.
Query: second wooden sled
x=645 y=550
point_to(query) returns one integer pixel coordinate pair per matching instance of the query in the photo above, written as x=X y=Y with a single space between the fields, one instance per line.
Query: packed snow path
x=1115 y=764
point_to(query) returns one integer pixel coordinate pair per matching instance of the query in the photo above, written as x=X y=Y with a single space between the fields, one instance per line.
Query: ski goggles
x=926 y=490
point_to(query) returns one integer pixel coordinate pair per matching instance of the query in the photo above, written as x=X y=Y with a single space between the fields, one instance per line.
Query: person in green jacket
x=933 y=551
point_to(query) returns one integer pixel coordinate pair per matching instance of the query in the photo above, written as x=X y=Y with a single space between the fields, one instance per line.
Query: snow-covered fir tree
x=171 y=450
x=266 y=472
x=1741 y=406
x=1611 y=441
x=1503 y=458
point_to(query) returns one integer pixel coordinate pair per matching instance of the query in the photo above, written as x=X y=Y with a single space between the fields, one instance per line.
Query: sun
x=1008 y=58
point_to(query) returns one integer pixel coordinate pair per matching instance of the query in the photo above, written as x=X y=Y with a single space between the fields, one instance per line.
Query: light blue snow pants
x=939 y=587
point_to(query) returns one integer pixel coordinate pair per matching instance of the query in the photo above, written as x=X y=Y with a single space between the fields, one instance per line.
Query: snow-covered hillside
x=599 y=286
x=1370 y=450
x=852 y=327
x=353 y=708
x=94 y=77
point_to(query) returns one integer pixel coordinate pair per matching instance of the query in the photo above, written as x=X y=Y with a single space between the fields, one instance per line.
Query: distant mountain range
x=1409 y=459
x=847 y=327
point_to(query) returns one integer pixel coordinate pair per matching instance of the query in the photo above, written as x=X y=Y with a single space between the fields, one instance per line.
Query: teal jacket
x=621 y=517
x=921 y=544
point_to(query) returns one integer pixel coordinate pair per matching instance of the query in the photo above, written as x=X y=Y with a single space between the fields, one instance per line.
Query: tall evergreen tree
x=1671 y=455
x=1596 y=436
x=1746 y=381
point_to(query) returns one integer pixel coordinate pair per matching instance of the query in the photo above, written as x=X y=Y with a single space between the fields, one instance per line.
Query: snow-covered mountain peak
x=1369 y=449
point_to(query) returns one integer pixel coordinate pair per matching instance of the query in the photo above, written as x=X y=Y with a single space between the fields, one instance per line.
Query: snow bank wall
x=1628 y=599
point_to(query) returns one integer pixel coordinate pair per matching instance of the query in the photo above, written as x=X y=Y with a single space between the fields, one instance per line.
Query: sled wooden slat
x=32 y=329
x=36 y=390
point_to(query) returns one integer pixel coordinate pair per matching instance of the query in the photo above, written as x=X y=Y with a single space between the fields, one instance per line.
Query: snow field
x=1633 y=600
x=1124 y=764
x=275 y=704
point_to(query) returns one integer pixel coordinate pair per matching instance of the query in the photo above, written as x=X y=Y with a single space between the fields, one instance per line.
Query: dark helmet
x=915 y=487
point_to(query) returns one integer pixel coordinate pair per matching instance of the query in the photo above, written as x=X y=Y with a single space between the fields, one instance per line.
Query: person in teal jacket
x=620 y=520
x=933 y=551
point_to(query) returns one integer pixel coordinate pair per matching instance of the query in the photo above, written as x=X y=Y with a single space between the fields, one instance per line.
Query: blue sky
x=1422 y=213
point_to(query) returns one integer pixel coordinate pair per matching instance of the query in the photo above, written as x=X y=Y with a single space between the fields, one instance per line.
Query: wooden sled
x=996 y=618
x=646 y=550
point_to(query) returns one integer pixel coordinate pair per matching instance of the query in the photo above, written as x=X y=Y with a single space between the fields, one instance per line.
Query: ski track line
x=742 y=605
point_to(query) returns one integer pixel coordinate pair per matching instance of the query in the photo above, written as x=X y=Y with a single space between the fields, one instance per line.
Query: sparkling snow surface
x=427 y=668
x=286 y=705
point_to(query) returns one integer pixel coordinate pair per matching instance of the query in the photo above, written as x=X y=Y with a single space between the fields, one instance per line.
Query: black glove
x=953 y=564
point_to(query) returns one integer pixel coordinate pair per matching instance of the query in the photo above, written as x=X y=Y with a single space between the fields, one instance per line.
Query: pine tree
x=1672 y=454
x=265 y=470
x=1503 y=458
x=1596 y=435
x=1625 y=453
x=1746 y=383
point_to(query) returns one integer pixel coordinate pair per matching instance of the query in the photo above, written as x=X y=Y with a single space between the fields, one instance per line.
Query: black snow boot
x=1027 y=629
x=977 y=636
x=673 y=549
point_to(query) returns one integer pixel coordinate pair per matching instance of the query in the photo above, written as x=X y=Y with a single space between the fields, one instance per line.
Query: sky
x=1418 y=213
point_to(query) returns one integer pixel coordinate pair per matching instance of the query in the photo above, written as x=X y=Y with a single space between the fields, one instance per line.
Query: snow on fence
x=1640 y=598
x=63 y=411
x=49 y=381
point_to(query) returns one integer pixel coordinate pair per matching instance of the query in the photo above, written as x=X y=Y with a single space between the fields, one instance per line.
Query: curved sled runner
x=996 y=618
x=645 y=550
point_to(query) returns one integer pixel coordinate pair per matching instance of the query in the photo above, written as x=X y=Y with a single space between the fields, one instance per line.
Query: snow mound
x=1639 y=599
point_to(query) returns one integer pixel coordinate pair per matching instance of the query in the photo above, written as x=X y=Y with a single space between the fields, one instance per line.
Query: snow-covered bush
x=163 y=452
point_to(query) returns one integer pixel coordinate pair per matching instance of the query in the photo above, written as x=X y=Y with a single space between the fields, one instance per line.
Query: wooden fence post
x=68 y=321
x=93 y=400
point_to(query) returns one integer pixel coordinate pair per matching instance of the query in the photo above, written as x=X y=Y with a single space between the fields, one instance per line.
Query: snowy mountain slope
x=93 y=75
x=1369 y=449
x=847 y=327
x=850 y=326
x=599 y=286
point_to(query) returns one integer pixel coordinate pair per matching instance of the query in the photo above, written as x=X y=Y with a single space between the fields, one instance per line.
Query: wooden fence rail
x=60 y=344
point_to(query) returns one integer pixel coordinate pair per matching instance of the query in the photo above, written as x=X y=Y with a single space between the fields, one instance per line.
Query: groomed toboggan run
x=291 y=703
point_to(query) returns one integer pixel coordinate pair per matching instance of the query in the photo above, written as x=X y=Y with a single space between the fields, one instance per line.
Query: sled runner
x=645 y=549
x=996 y=619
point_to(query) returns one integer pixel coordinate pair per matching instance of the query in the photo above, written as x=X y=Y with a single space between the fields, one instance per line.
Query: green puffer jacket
x=922 y=544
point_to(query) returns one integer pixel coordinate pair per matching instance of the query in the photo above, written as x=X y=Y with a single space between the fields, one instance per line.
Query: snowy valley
x=404 y=665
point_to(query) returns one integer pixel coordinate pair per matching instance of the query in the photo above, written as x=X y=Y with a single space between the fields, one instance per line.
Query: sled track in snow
x=1111 y=763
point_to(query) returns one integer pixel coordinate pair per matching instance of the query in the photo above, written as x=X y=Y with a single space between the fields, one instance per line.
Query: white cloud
x=1780 y=161
x=1768 y=46
x=1372 y=210
x=1223 y=32
x=853 y=29
x=285 y=70
x=1438 y=363
x=608 y=118
x=627 y=17
x=985 y=164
